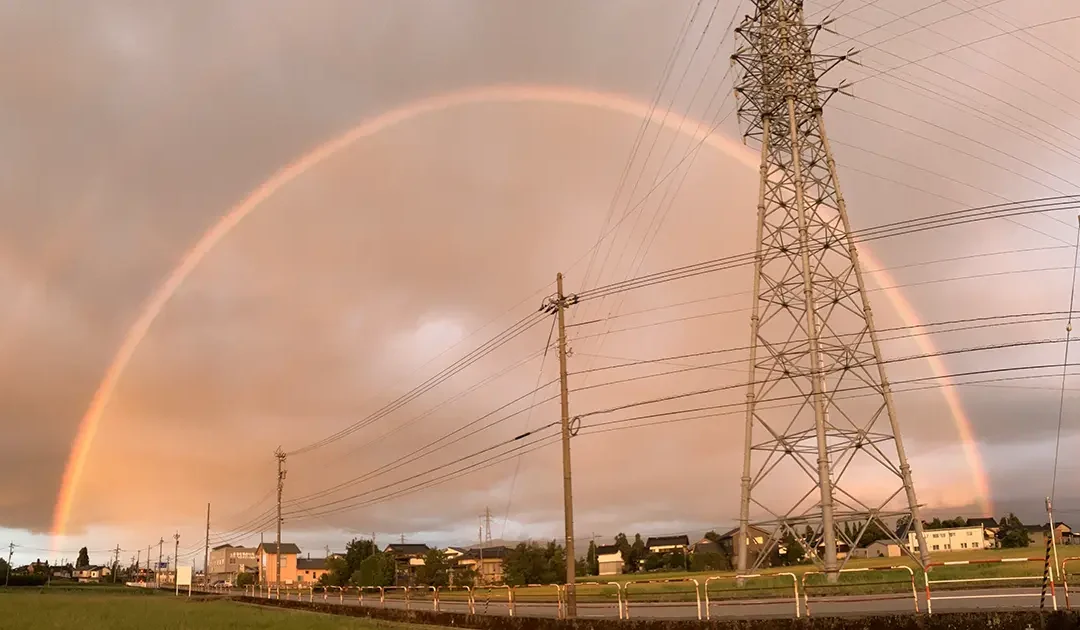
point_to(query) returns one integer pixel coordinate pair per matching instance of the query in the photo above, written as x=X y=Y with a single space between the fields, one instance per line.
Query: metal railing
x=860 y=598
x=742 y=578
x=626 y=592
x=1065 y=579
x=1019 y=578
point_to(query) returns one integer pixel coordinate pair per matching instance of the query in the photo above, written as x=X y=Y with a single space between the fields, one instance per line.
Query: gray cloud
x=129 y=127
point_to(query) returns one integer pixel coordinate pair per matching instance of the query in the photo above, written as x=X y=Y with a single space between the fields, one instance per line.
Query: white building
x=609 y=559
x=954 y=539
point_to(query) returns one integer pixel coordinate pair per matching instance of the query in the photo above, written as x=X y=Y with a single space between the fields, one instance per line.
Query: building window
x=963 y=545
x=936 y=547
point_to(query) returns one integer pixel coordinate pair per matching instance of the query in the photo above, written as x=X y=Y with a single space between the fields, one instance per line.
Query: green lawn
x=135 y=610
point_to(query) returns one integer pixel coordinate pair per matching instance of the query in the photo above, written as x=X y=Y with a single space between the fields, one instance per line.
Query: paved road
x=967 y=600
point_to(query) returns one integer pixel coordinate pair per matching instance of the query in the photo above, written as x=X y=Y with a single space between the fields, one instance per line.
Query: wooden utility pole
x=561 y=303
x=157 y=569
x=11 y=553
x=206 y=551
x=280 y=454
x=176 y=563
x=116 y=564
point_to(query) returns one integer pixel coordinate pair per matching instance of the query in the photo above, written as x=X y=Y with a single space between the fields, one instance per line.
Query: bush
x=26 y=580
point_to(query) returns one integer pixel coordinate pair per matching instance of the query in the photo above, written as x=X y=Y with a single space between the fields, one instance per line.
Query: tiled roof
x=407 y=549
x=667 y=541
x=310 y=563
x=286 y=548
x=606 y=550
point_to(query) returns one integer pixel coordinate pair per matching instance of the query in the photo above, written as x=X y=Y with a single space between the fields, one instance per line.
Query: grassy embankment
x=133 y=609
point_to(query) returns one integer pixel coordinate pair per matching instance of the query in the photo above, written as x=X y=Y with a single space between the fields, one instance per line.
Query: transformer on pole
x=822 y=444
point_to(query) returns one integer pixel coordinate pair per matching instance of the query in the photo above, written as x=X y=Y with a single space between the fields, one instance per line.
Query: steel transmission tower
x=823 y=458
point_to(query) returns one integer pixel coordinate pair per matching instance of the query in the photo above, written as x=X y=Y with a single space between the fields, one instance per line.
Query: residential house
x=309 y=570
x=951 y=539
x=879 y=549
x=706 y=546
x=38 y=566
x=610 y=559
x=991 y=529
x=93 y=573
x=227 y=561
x=842 y=549
x=1037 y=534
x=487 y=562
x=668 y=544
x=266 y=555
x=407 y=556
x=62 y=572
x=454 y=553
x=756 y=540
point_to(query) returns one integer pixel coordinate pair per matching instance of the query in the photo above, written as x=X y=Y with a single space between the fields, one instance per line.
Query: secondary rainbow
x=612 y=102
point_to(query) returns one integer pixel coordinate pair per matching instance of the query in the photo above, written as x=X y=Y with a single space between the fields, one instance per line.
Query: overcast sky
x=130 y=127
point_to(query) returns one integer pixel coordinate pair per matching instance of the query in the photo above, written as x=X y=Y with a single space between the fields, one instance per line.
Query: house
x=991 y=529
x=951 y=539
x=879 y=549
x=266 y=555
x=668 y=544
x=1037 y=534
x=487 y=562
x=756 y=540
x=62 y=572
x=309 y=570
x=842 y=549
x=407 y=556
x=610 y=559
x=706 y=546
x=453 y=553
x=227 y=561
x=93 y=573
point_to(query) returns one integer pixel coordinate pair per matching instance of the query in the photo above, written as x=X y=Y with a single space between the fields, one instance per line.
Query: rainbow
x=506 y=94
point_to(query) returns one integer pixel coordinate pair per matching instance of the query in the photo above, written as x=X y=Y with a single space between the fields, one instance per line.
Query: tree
x=654 y=561
x=712 y=537
x=902 y=526
x=624 y=548
x=638 y=552
x=789 y=552
x=592 y=560
x=435 y=570
x=1012 y=532
x=337 y=572
x=529 y=563
x=84 y=559
x=376 y=570
x=709 y=561
x=245 y=579
x=676 y=561
x=356 y=551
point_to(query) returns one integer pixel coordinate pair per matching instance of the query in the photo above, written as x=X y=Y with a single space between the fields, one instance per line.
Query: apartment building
x=952 y=539
x=226 y=561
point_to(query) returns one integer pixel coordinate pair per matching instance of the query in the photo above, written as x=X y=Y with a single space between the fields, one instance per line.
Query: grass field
x=118 y=609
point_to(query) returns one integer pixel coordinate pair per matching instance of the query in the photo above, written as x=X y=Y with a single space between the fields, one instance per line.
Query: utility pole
x=811 y=326
x=280 y=454
x=11 y=553
x=206 y=551
x=138 y=561
x=157 y=569
x=558 y=306
x=176 y=562
x=148 y=561
x=403 y=539
x=116 y=564
x=487 y=526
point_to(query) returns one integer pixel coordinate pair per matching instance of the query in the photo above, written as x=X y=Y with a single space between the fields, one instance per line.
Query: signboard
x=183 y=576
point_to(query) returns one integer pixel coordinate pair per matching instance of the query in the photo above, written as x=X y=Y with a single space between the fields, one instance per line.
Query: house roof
x=310 y=563
x=705 y=546
x=407 y=549
x=286 y=548
x=735 y=530
x=667 y=541
x=488 y=553
x=225 y=546
x=985 y=522
x=606 y=550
